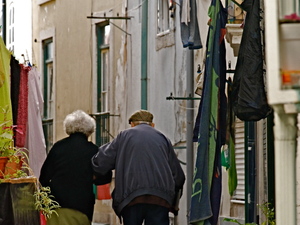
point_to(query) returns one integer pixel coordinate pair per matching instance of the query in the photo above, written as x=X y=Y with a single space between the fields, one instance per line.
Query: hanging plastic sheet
x=15 y=70
x=248 y=91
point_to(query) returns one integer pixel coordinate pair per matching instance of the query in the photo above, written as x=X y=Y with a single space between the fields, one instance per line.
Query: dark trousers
x=148 y=213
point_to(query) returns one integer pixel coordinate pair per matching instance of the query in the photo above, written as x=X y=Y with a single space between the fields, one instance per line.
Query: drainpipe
x=4 y=21
x=250 y=172
x=189 y=128
x=144 y=56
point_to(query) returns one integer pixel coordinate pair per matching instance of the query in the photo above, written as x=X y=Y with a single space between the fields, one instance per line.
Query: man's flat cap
x=142 y=116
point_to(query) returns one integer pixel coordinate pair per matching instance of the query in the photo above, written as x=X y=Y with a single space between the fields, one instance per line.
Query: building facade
x=110 y=58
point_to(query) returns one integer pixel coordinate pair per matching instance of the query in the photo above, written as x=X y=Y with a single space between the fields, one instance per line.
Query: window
x=103 y=34
x=165 y=24
x=104 y=85
x=48 y=93
x=163 y=16
x=102 y=117
x=240 y=160
x=11 y=28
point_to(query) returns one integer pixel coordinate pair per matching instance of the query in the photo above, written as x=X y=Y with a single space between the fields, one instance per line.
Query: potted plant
x=44 y=202
x=6 y=145
x=266 y=210
x=3 y=162
x=11 y=158
x=16 y=162
x=9 y=155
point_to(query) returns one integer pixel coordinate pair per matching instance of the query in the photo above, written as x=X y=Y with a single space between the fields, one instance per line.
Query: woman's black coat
x=68 y=171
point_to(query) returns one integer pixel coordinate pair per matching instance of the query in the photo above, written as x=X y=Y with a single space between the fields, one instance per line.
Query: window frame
x=103 y=76
x=239 y=194
x=11 y=27
x=48 y=92
x=165 y=37
x=163 y=12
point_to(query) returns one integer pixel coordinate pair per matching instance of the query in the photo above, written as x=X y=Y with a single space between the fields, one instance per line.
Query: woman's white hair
x=79 y=122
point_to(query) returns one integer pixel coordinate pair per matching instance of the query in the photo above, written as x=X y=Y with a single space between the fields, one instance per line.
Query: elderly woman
x=68 y=171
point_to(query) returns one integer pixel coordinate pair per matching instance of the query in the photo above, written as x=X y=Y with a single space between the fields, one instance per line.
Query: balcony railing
x=48 y=133
x=102 y=127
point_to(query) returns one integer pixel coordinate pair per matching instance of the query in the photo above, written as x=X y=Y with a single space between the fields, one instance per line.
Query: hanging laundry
x=230 y=137
x=5 y=101
x=210 y=125
x=199 y=81
x=22 y=117
x=185 y=12
x=190 y=34
x=21 y=91
x=35 y=135
x=15 y=70
x=248 y=91
x=172 y=7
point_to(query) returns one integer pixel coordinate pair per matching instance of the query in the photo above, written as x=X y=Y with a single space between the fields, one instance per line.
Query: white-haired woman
x=68 y=171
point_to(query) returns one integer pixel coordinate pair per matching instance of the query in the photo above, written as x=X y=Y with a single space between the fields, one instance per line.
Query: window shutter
x=240 y=159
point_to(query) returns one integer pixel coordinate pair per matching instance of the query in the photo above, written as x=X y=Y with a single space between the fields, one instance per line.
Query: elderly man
x=148 y=175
